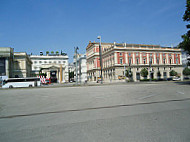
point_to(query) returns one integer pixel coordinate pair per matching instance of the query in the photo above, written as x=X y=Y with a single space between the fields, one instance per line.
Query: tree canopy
x=185 y=44
x=186 y=71
x=144 y=72
x=173 y=73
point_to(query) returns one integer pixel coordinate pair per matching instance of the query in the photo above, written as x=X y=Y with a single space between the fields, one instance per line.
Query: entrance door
x=53 y=76
x=138 y=76
x=165 y=75
x=152 y=75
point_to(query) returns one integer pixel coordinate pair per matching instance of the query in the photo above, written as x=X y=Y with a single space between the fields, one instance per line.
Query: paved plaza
x=149 y=112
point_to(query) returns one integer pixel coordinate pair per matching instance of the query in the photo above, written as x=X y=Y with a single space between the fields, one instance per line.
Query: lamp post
x=130 y=71
x=76 y=48
x=150 y=62
x=100 y=52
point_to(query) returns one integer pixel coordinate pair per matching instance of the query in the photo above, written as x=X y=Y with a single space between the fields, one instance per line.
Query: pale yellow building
x=22 y=65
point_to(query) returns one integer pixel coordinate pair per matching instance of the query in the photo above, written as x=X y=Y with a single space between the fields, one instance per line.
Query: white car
x=176 y=79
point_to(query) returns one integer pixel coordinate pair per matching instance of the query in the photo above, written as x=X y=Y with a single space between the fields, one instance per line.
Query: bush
x=128 y=73
x=144 y=72
x=144 y=79
x=186 y=71
x=173 y=73
x=148 y=79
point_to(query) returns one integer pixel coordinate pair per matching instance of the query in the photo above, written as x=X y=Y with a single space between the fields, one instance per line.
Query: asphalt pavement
x=154 y=112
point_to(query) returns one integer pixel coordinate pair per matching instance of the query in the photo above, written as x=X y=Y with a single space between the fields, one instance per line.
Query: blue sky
x=53 y=25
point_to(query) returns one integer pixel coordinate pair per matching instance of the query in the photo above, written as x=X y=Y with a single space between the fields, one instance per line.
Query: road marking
x=144 y=97
x=181 y=93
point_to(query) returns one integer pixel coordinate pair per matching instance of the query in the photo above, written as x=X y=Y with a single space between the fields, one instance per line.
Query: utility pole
x=100 y=52
x=76 y=48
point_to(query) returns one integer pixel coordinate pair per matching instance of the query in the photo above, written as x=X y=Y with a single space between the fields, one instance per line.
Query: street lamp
x=130 y=74
x=150 y=62
x=100 y=52
x=76 y=48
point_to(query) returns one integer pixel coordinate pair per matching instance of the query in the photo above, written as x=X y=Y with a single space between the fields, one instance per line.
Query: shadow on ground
x=183 y=83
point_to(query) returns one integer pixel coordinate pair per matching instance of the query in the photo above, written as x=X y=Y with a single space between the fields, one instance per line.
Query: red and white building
x=116 y=57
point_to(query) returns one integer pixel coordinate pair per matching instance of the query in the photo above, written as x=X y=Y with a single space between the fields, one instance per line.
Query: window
x=45 y=61
x=157 y=60
x=120 y=54
x=59 y=62
x=164 y=60
x=137 y=61
x=137 y=54
x=144 y=54
x=164 y=54
x=170 y=60
x=169 y=54
x=121 y=61
x=150 y=54
x=176 y=55
x=157 y=54
x=129 y=54
x=63 y=61
x=150 y=60
x=54 y=61
x=35 y=62
x=40 y=61
x=144 y=60
x=129 y=60
x=49 y=61
x=176 y=61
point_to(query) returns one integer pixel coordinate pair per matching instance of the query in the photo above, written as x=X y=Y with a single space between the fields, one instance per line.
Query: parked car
x=176 y=78
x=186 y=78
x=169 y=79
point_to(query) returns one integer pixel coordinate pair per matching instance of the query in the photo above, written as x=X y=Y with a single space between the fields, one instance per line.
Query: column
x=7 y=67
x=60 y=74
x=115 y=57
x=140 y=60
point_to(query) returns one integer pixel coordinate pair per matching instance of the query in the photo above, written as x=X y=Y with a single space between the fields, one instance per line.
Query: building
x=117 y=58
x=81 y=68
x=54 y=65
x=6 y=61
x=14 y=64
x=22 y=65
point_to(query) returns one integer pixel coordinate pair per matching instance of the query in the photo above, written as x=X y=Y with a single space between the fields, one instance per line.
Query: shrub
x=173 y=73
x=186 y=71
x=144 y=72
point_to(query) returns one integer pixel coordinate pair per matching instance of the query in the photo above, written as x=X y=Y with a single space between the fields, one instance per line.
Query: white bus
x=21 y=82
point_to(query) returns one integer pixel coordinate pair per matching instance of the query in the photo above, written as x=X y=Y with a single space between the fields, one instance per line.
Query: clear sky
x=53 y=25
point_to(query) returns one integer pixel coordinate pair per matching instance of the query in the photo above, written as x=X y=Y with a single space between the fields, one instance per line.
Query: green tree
x=52 y=52
x=144 y=72
x=185 y=44
x=57 y=52
x=47 y=52
x=128 y=73
x=186 y=71
x=71 y=75
x=173 y=73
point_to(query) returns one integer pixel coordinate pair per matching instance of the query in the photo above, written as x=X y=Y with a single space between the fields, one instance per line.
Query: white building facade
x=81 y=68
x=54 y=65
